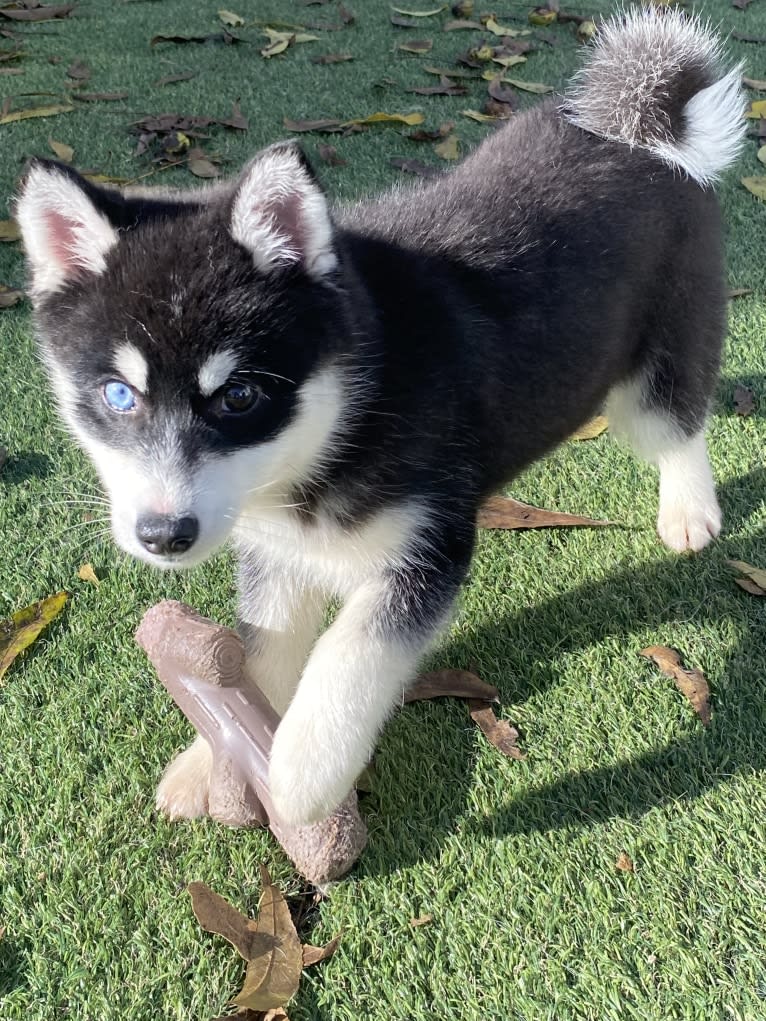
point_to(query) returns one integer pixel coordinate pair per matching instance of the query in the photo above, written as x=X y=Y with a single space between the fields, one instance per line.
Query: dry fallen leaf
x=86 y=573
x=757 y=109
x=40 y=13
x=591 y=429
x=272 y=977
x=231 y=19
x=450 y=684
x=201 y=166
x=756 y=84
x=504 y=512
x=744 y=400
x=417 y=167
x=755 y=185
x=624 y=863
x=449 y=149
x=691 y=683
x=9 y=231
x=741 y=292
x=326 y=124
x=417 y=46
x=492 y=26
x=99 y=97
x=314 y=955
x=421 y=920
x=536 y=87
x=498 y=732
x=215 y=914
x=754 y=580
x=78 y=71
x=25 y=625
x=542 y=16
x=64 y=152
x=380 y=117
x=477 y=115
x=444 y=88
x=9 y=296
x=509 y=60
x=35 y=111
x=329 y=155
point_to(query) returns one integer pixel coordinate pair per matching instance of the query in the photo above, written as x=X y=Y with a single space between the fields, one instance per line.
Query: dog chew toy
x=202 y=665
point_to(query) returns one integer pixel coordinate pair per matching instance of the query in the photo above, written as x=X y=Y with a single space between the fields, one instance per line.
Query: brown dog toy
x=202 y=664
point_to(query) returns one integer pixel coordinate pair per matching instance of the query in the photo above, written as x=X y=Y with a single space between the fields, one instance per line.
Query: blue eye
x=119 y=396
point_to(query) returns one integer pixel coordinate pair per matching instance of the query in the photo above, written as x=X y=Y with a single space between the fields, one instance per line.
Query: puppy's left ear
x=280 y=215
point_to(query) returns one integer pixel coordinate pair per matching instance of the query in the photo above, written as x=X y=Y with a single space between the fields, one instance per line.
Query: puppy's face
x=189 y=343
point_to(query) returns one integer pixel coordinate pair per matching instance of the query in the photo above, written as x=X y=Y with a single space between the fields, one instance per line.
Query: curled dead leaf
x=450 y=684
x=9 y=296
x=504 y=512
x=86 y=573
x=624 y=863
x=421 y=920
x=63 y=151
x=691 y=683
x=314 y=955
x=498 y=732
x=754 y=580
x=18 y=633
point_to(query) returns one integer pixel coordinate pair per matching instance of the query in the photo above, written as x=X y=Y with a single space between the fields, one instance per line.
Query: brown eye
x=238 y=398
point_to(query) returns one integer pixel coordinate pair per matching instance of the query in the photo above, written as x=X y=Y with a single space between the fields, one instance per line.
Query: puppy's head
x=189 y=340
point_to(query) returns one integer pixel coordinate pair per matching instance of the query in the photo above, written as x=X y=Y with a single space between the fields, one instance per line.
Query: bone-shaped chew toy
x=201 y=664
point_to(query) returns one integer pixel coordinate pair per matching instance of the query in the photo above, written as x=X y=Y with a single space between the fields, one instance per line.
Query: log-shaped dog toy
x=202 y=665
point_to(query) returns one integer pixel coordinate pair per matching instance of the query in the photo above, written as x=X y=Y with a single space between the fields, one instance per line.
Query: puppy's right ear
x=65 y=235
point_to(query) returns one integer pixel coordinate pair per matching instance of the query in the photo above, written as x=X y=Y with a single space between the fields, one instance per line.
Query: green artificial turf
x=515 y=861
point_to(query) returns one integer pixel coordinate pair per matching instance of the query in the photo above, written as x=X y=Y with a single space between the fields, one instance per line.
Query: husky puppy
x=335 y=391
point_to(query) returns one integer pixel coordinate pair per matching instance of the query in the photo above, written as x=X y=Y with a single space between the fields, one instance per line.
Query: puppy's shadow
x=420 y=811
x=26 y=465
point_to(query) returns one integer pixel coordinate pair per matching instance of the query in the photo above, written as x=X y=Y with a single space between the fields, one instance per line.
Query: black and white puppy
x=335 y=390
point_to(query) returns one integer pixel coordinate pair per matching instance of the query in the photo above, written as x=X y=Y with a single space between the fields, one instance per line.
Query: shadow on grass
x=25 y=466
x=734 y=743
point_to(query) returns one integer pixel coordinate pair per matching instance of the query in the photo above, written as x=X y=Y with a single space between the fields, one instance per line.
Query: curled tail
x=653 y=79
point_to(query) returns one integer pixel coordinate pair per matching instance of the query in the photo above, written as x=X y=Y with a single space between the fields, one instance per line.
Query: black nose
x=159 y=533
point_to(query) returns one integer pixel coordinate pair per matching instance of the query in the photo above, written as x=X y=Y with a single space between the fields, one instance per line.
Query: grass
x=515 y=861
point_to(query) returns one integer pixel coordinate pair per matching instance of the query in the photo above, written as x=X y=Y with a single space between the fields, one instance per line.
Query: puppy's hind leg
x=670 y=434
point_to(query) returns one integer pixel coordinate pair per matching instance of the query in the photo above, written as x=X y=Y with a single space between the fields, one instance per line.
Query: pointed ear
x=280 y=214
x=65 y=235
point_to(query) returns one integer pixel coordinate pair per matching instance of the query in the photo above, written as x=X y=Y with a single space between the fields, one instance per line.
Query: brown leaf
x=591 y=429
x=417 y=46
x=499 y=93
x=741 y=4
x=9 y=117
x=691 y=683
x=314 y=955
x=329 y=155
x=98 y=97
x=754 y=581
x=42 y=13
x=624 y=863
x=503 y=512
x=11 y=70
x=421 y=920
x=400 y=22
x=756 y=84
x=86 y=573
x=332 y=58
x=225 y=37
x=327 y=124
x=383 y=118
x=740 y=292
x=457 y=26
x=9 y=296
x=78 y=71
x=201 y=166
x=64 y=152
x=498 y=732
x=477 y=115
x=416 y=167
x=9 y=231
x=449 y=683
x=451 y=72
x=170 y=79
x=744 y=400
x=497 y=111
x=215 y=914
x=18 y=633
x=273 y=977
x=444 y=88
x=449 y=149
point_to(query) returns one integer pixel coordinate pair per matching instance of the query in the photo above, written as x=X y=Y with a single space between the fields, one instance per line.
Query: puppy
x=334 y=391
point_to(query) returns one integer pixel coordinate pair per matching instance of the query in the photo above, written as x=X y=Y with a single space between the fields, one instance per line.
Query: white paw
x=183 y=789
x=683 y=527
x=309 y=775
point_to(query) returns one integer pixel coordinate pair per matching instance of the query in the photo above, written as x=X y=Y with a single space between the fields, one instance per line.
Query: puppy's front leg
x=354 y=678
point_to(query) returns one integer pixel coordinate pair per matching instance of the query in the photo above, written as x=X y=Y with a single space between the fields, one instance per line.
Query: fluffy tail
x=653 y=79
